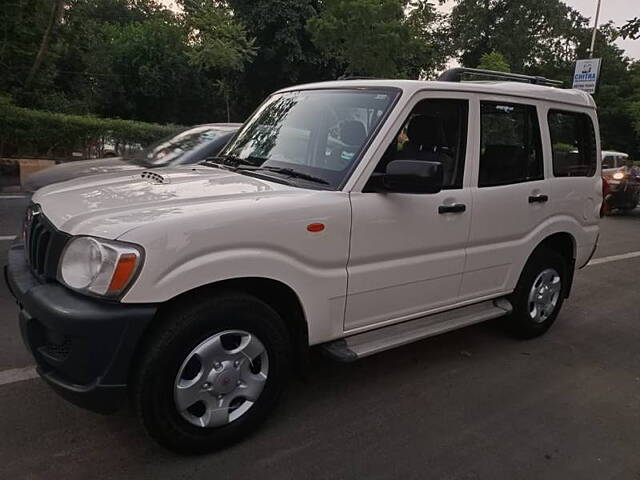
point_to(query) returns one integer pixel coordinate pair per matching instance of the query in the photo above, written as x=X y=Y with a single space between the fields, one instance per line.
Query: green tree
x=83 y=64
x=494 y=61
x=285 y=54
x=146 y=69
x=529 y=33
x=23 y=25
x=57 y=8
x=634 y=103
x=385 y=38
x=631 y=29
x=219 y=45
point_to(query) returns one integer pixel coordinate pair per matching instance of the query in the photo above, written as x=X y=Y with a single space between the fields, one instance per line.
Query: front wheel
x=539 y=294
x=213 y=374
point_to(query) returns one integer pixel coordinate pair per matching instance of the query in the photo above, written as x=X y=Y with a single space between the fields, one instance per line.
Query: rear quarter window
x=573 y=143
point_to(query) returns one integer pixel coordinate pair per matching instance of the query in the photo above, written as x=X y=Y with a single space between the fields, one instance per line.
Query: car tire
x=182 y=356
x=535 y=301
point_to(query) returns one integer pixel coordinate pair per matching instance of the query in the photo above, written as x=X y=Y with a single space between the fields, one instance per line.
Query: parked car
x=612 y=160
x=356 y=216
x=189 y=146
x=622 y=180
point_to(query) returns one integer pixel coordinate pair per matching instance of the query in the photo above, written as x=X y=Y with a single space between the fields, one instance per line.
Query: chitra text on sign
x=586 y=75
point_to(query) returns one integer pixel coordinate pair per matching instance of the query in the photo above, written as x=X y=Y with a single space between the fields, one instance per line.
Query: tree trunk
x=56 y=11
x=226 y=99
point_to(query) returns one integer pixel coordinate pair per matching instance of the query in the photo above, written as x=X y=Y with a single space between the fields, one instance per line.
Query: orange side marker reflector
x=315 y=227
x=123 y=272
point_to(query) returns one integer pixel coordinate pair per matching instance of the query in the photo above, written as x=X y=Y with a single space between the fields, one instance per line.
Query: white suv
x=356 y=215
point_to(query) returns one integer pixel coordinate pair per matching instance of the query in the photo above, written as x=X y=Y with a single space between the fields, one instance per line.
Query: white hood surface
x=112 y=204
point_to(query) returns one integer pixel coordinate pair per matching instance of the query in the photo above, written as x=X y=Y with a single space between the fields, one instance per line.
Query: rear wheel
x=214 y=374
x=539 y=294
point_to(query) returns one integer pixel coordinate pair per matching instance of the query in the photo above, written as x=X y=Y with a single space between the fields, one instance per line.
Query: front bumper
x=83 y=347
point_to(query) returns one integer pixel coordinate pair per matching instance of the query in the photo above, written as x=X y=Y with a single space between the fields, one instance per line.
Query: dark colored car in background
x=621 y=182
x=187 y=147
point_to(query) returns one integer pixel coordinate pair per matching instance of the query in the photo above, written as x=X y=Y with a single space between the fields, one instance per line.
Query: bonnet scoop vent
x=154 y=178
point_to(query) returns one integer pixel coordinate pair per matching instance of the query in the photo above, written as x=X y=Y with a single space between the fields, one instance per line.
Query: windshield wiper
x=214 y=162
x=293 y=173
x=227 y=161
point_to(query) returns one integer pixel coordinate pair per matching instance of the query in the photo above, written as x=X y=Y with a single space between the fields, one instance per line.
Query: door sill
x=361 y=345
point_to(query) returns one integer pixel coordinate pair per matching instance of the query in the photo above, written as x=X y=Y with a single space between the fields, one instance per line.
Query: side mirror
x=413 y=176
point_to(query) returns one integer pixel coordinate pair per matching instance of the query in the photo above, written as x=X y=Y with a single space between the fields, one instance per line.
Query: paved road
x=472 y=404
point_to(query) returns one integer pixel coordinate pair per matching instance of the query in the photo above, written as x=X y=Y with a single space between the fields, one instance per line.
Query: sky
x=617 y=10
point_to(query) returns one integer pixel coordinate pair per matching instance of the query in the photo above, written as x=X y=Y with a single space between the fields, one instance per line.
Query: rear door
x=510 y=195
x=575 y=181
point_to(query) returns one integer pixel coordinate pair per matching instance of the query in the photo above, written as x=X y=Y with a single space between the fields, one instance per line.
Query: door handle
x=455 y=208
x=538 y=198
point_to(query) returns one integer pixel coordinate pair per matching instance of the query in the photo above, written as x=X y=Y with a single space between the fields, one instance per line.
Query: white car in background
x=613 y=160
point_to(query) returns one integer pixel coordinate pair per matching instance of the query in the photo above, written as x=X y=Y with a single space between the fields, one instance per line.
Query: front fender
x=195 y=251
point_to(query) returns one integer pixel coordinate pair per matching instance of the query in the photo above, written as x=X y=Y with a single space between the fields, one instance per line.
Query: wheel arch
x=565 y=244
x=279 y=296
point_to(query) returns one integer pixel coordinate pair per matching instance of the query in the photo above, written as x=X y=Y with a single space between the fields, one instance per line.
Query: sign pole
x=595 y=29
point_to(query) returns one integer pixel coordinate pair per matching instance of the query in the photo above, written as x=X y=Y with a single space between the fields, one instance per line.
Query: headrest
x=352 y=132
x=425 y=130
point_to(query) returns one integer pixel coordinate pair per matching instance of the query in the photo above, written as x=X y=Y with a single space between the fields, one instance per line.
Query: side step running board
x=364 y=344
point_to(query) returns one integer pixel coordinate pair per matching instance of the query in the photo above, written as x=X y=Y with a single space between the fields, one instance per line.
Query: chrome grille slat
x=41 y=250
x=33 y=241
x=43 y=244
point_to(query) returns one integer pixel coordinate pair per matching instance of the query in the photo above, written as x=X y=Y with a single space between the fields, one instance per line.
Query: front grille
x=43 y=244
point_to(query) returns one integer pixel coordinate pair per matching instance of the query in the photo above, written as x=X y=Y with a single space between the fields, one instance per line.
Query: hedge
x=35 y=133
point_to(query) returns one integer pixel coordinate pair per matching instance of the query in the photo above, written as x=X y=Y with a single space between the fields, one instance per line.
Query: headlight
x=100 y=267
x=618 y=175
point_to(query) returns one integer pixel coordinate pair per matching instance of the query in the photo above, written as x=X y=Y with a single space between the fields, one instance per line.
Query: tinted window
x=510 y=149
x=436 y=131
x=573 y=143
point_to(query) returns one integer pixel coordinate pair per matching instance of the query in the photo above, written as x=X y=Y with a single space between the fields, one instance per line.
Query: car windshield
x=310 y=136
x=170 y=149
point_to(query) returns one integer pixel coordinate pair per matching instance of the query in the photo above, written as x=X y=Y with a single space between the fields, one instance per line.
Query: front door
x=407 y=252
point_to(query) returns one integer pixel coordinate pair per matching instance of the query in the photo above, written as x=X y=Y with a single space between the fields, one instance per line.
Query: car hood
x=110 y=205
x=80 y=168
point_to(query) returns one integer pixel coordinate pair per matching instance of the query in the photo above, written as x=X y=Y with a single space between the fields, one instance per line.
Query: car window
x=573 y=143
x=510 y=145
x=310 y=133
x=436 y=131
x=169 y=150
x=609 y=161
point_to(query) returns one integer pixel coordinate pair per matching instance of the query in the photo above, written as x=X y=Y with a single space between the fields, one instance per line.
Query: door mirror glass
x=413 y=176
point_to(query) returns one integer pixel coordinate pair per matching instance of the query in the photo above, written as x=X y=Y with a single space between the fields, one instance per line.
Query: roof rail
x=455 y=75
x=356 y=77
